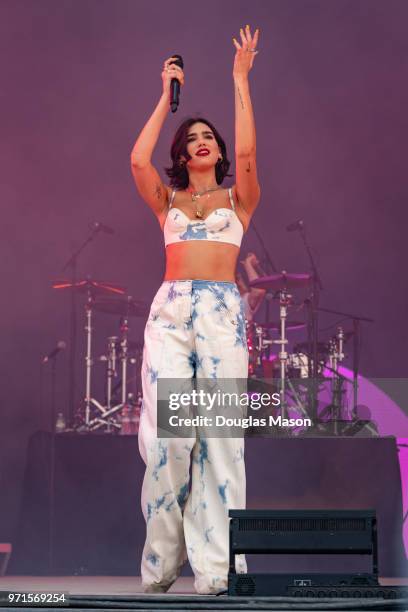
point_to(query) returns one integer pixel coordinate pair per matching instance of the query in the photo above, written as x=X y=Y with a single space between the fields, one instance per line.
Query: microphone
x=61 y=345
x=175 y=85
x=100 y=227
x=296 y=225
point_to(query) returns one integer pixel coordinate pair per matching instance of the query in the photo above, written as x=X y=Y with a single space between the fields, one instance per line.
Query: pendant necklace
x=195 y=197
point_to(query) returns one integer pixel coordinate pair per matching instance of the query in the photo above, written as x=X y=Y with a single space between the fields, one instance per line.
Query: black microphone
x=61 y=345
x=100 y=227
x=296 y=225
x=175 y=85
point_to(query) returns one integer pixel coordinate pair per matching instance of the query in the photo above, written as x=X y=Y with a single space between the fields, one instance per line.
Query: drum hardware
x=118 y=359
x=107 y=412
x=91 y=288
x=99 y=297
x=133 y=349
x=310 y=358
x=280 y=283
x=284 y=303
x=356 y=334
x=313 y=304
x=72 y=265
x=255 y=342
x=290 y=325
x=299 y=362
x=125 y=307
x=111 y=372
x=336 y=356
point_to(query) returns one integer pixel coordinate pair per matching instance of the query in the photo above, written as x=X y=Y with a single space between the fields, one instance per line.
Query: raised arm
x=147 y=179
x=247 y=186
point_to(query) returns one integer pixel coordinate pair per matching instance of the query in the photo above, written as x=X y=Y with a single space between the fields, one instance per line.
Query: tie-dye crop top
x=221 y=225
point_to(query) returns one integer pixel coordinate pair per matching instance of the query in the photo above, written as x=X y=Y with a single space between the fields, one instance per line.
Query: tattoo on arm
x=249 y=167
x=240 y=98
x=158 y=191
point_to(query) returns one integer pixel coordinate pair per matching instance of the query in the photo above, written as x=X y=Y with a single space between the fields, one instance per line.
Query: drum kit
x=119 y=403
x=297 y=375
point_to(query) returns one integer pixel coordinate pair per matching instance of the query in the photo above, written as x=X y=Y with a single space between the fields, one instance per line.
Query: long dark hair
x=178 y=173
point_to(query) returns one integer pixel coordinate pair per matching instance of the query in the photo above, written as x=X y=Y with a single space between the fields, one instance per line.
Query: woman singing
x=195 y=328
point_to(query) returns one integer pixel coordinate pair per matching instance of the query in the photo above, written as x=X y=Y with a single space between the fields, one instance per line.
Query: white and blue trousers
x=195 y=329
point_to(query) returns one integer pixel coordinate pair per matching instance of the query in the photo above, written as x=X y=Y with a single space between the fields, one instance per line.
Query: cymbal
x=96 y=287
x=122 y=306
x=290 y=325
x=285 y=280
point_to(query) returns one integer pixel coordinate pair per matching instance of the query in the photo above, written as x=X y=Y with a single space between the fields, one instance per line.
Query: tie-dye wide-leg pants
x=195 y=329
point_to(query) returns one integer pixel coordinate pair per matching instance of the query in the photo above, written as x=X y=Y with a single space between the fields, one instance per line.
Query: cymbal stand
x=336 y=356
x=284 y=301
x=260 y=347
x=124 y=328
x=111 y=369
x=89 y=400
x=72 y=263
x=356 y=361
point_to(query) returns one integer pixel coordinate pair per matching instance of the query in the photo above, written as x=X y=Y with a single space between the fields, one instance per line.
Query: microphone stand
x=312 y=328
x=72 y=263
x=268 y=265
x=267 y=262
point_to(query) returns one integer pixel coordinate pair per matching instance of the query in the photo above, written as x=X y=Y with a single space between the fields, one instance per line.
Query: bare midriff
x=201 y=260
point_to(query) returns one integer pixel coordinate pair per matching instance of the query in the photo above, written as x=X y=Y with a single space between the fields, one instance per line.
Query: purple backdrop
x=78 y=80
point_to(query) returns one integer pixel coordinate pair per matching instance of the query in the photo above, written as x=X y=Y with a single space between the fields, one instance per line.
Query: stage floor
x=109 y=585
x=88 y=585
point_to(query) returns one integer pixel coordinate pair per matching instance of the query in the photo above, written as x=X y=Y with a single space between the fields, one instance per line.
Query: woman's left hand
x=245 y=52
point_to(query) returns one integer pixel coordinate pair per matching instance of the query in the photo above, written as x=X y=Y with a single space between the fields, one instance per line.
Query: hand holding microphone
x=173 y=78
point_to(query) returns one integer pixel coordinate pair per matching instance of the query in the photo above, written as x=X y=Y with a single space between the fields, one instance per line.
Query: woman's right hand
x=171 y=71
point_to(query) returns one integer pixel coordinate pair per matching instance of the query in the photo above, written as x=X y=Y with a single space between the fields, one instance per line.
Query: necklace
x=195 y=197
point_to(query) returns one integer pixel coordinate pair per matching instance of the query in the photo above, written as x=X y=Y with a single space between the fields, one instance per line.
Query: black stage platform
x=99 y=528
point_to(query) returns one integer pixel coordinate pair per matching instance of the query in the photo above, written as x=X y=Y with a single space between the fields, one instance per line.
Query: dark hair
x=178 y=173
